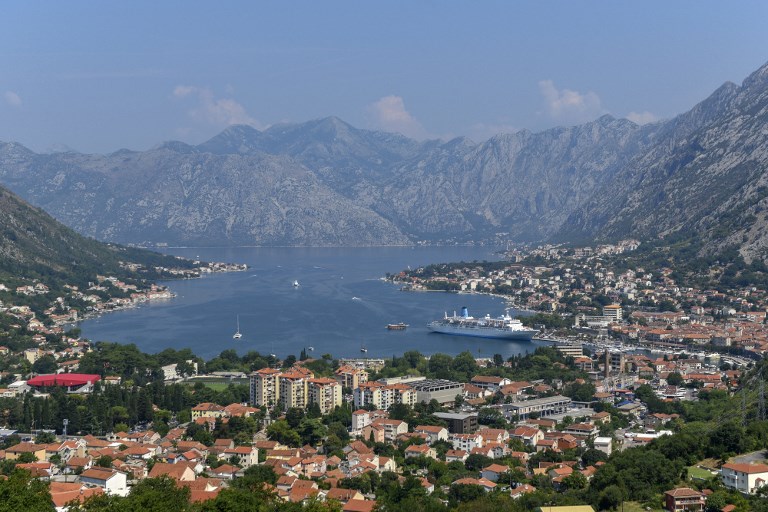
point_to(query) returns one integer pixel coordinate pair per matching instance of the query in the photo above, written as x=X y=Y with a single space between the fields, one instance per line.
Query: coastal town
x=636 y=362
x=641 y=307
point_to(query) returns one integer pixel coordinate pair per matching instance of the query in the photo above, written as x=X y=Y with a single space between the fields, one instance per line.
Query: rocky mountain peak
x=758 y=79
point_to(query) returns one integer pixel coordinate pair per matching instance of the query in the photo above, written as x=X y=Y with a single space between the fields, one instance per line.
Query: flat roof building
x=444 y=391
x=459 y=423
x=547 y=406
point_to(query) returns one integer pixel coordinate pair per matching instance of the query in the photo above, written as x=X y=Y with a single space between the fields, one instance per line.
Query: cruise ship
x=504 y=327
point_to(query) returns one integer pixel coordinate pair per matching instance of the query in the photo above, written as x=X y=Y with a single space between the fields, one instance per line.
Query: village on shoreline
x=637 y=360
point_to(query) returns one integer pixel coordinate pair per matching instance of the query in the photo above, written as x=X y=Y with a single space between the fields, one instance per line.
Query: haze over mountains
x=325 y=182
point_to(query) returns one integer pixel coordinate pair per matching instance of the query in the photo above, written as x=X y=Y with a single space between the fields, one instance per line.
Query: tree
x=476 y=462
x=575 y=481
x=46 y=364
x=465 y=492
x=293 y=416
x=611 y=498
x=105 y=461
x=45 y=438
x=21 y=493
x=184 y=369
x=158 y=495
x=312 y=431
x=281 y=432
x=254 y=476
x=440 y=366
x=592 y=456
x=27 y=457
x=674 y=379
x=464 y=366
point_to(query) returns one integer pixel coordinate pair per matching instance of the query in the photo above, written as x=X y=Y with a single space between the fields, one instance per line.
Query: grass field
x=696 y=472
x=216 y=384
x=633 y=506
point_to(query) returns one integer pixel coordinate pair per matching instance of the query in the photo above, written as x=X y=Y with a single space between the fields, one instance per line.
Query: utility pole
x=743 y=405
x=761 y=397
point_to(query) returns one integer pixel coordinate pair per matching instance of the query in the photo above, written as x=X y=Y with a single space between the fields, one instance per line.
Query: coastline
x=506 y=298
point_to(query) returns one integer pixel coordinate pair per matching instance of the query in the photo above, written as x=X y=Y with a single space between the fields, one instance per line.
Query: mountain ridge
x=325 y=182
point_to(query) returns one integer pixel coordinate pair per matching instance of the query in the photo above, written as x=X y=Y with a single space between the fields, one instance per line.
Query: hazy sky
x=102 y=75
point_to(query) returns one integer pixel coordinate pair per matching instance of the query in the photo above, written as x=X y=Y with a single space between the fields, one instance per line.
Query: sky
x=99 y=76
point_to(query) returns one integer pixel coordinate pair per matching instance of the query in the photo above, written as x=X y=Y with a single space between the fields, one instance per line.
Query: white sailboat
x=237 y=334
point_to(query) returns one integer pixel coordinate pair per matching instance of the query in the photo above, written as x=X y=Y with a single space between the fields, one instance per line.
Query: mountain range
x=325 y=182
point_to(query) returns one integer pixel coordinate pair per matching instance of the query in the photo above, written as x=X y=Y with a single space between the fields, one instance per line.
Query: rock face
x=325 y=182
x=703 y=176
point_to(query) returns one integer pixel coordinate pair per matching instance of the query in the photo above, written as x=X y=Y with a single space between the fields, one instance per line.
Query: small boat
x=363 y=349
x=397 y=327
x=356 y=298
x=295 y=284
x=310 y=348
x=237 y=334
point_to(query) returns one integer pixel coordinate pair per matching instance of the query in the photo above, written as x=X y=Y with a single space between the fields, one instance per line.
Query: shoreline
x=506 y=298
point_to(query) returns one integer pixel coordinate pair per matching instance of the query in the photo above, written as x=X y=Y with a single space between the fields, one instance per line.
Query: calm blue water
x=340 y=305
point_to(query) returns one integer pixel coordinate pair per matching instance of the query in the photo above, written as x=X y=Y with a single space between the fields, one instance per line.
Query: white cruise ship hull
x=479 y=331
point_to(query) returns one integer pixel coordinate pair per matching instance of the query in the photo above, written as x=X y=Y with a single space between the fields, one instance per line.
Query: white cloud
x=213 y=110
x=389 y=114
x=568 y=105
x=644 y=117
x=12 y=99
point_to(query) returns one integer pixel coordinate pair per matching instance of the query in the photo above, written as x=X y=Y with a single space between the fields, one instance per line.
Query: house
x=359 y=506
x=466 y=442
x=489 y=382
x=225 y=471
x=15 y=451
x=494 y=435
x=113 y=482
x=520 y=490
x=530 y=436
x=456 y=455
x=65 y=449
x=63 y=493
x=38 y=469
x=547 y=444
x=604 y=444
x=746 y=478
x=343 y=495
x=494 y=472
x=207 y=409
x=391 y=428
x=246 y=455
x=434 y=433
x=582 y=429
x=420 y=450
x=683 y=499
x=486 y=484
x=180 y=472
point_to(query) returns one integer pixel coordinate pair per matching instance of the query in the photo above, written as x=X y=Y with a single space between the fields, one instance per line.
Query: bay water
x=340 y=307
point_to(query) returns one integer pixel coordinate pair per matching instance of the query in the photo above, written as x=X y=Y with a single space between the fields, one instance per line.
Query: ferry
x=397 y=327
